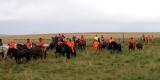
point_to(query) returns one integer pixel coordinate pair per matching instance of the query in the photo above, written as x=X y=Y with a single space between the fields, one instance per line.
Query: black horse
x=80 y=44
x=21 y=52
x=132 y=46
x=114 y=47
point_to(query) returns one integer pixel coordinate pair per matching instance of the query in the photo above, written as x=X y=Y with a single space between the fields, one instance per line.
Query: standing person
x=74 y=38
x=28 y=43
x=11 y=49
x=149 y=39
x=143 y=37
x=82 y=38
x=95 y=46
x=71 y=50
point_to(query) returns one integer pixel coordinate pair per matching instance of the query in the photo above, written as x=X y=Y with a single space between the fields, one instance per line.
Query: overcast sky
x=52 y=16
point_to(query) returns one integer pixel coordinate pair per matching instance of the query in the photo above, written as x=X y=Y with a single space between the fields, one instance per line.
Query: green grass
x=138 y=65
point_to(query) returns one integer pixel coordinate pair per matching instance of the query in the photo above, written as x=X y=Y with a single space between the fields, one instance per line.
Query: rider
x=28 y=43
x=96 y=37
x=102 y=38
x=40 y=43
x=110 y=40
x=82 y=37
x=11 y=49
x=74 y=38
x=149 y=39
x=131 y=40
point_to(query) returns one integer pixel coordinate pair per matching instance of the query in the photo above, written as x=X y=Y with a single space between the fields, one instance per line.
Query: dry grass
x=138 y=65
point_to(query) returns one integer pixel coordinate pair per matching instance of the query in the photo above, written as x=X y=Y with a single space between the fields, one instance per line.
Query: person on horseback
x=143 y=37
x=110 y=40
x=82 y=38
x=96 y=37
x=12 y=46
x=59 y=48
x=102 y=38
x=132 y=44
x=28 y=43
x=40 y=43
x=132 y=40
x=74 y=38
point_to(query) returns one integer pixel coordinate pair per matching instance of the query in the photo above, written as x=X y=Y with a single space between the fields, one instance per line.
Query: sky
x=60 y=16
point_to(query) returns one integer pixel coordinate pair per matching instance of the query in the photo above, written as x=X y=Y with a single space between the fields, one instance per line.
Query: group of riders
x=67 y=46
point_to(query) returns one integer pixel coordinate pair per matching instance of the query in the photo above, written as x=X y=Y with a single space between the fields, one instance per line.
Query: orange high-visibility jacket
x=28 y=44
x=40 y=43
x=95 y=44
x=71 y=45
x=110 y=40
x=131 y=41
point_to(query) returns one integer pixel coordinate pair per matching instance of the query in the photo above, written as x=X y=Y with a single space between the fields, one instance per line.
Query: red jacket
x=11 y=45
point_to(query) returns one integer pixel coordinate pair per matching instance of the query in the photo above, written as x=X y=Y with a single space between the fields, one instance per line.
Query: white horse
x=4 y=51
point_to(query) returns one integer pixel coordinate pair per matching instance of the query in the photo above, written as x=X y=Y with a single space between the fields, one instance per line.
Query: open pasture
x=137 y=65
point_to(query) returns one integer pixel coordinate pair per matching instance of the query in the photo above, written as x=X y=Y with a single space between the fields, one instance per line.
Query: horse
x=102 y=45
x=4 y=51
x=20 y=52
x=39 y=52
x=60 y=50
x=51 y=46
x=80 y=44
x=132 y=46
x=114 y=46
x=139 y=46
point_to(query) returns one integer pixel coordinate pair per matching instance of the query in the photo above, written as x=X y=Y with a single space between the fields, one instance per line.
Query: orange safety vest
x=110 y=40
x=40 y=44
x=132 y=41
x=71 y=45
x=95 y=44
x=28 y=44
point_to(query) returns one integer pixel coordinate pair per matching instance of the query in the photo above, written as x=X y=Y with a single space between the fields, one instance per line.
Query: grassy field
x=138 y=65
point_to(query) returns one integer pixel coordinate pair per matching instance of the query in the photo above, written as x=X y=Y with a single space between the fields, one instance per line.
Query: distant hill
x=2 y=35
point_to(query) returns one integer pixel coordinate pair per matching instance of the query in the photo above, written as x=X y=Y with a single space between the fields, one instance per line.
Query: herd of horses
x=21 y=51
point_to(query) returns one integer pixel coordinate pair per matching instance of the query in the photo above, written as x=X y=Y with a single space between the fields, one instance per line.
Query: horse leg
x=56 y=55
x=45 y=54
